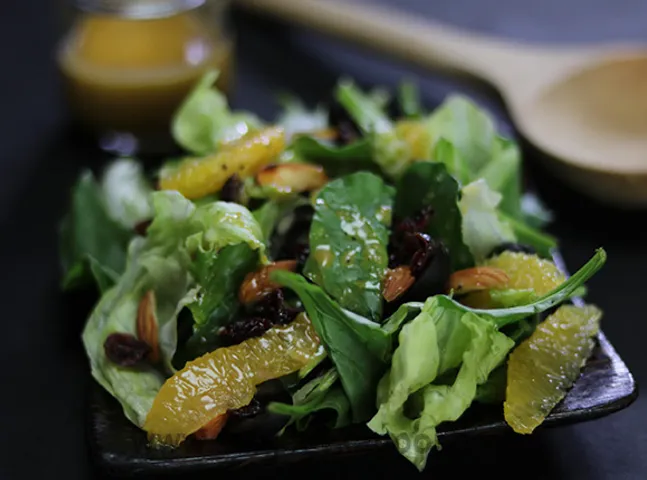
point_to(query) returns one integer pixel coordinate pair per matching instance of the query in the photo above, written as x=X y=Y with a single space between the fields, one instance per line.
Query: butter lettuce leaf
x=437 y=341
x=483 y=229
x=348 y=241
x=204 y=122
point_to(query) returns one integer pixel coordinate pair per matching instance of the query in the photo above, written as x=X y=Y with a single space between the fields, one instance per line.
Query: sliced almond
x=258 y=284
x=293 y=177
x=212 y=429
x=147 y=328
x=477 y=278
x=396 y=282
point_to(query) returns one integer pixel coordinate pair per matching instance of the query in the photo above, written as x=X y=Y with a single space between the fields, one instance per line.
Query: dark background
x=45 y=373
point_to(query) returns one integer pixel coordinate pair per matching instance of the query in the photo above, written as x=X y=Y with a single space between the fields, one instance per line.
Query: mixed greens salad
x=362 y=262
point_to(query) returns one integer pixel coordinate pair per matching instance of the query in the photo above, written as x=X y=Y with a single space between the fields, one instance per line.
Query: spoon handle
x=398 y=34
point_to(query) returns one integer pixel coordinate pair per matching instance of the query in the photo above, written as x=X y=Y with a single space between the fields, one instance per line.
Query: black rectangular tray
x=605 y=386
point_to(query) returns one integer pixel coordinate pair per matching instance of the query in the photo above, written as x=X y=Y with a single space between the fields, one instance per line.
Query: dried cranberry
x=125 y=350
x=232 y=190
x=347 y=130
x=244 y=329
x=423 y=253
x=142 y=227
x=250 y=410
x=273 y=307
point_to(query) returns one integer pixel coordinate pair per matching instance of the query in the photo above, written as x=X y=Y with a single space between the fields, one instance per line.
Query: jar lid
x=141 y=9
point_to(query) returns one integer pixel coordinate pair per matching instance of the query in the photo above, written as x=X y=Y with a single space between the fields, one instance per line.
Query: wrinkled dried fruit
x=125 y=350
x=396 y=282
x=212 y=429
x=232 y=190
x=142 y=227
x=292 y=177
x=258 y=284
x=244 y=329
x=274 y=308
x=147 y=328
x=248 y=411
x=226 y=379
x=477 y=278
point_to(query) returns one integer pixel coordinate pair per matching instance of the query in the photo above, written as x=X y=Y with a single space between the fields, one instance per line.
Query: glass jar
x=127 y=65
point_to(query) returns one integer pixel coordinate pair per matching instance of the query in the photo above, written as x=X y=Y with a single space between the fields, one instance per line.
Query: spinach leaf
x=91 y=242
x=336 y=160
x=358 y=347
x=219 y=276
x=348 y=241
x=429 y=184
x=321 y=393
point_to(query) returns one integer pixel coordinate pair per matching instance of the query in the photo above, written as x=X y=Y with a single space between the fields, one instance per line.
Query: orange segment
x=226 y=379
x=543 y=367
x=524 y=271
x=198 y=177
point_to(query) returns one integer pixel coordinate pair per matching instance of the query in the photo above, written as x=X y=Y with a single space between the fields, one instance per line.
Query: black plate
x=605 y=386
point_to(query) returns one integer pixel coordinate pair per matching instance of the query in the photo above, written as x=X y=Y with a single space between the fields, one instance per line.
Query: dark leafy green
x=429 y=184
x=321 y=393
x=348 y=241
x=357 y=346
x=337 y=160
x=93 y=246
x=219 y=275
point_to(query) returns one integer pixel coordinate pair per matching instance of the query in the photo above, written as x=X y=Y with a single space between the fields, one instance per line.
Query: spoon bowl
x=585 y=107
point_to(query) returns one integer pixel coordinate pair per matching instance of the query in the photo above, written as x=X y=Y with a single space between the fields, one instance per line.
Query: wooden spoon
x=584 y=106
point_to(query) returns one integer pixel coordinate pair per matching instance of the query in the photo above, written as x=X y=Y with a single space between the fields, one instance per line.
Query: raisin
x=252 y=409
x=273 y=308
x=125 y=350
x=241 y=330
x=232 y=190
x=142 y=227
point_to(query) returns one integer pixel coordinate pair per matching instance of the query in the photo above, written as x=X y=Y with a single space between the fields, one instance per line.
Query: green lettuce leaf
x=502 y=173
x=209 y=227
x=466 y=126
x=204 y=120
x=136 y=387
x=296 y=118
x=409 y=99
x=127 y=192
x=93 y=245
x=427 y=184
x=447 y=154
x=358 y=347
x=391 y=153
x=321 y=393
x=483 y=230
x=437 y=341
x=348 y=241
x=271 y=215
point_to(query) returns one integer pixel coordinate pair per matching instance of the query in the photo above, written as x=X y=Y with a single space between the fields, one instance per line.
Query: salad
x=362 y=262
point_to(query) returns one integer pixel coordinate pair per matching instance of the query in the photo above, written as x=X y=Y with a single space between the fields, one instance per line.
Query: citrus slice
x=226 y=379
x=525 y=272
x=198 y=177
x=545 y=365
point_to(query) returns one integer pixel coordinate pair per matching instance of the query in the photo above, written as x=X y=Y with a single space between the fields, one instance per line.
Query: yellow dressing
x=131 y=75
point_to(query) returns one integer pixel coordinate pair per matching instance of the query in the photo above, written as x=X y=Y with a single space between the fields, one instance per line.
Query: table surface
x=46 y=373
